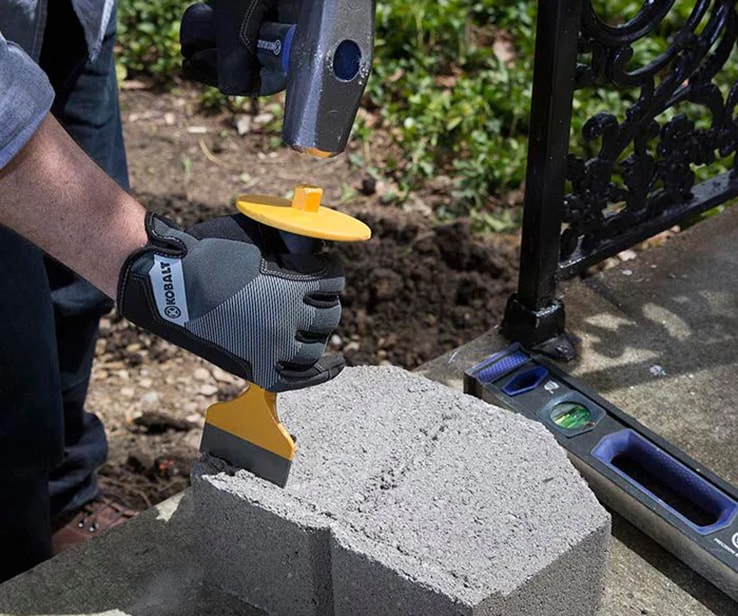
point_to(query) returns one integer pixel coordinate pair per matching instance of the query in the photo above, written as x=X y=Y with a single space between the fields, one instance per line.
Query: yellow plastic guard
x=304 y=215
x=253 y=417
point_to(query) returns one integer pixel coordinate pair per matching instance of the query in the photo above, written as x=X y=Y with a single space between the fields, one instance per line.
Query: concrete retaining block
x=405 y=498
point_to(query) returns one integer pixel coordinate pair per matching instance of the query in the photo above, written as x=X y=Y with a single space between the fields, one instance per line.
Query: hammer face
x=329 y=66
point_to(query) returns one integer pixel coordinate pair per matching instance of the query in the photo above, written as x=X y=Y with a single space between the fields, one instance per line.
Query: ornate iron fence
x=639 y=179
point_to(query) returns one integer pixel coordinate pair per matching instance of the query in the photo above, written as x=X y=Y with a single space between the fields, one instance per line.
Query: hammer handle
x=274 y=45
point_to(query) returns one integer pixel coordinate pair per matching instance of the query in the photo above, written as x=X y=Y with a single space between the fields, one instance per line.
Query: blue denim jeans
x=50 y=447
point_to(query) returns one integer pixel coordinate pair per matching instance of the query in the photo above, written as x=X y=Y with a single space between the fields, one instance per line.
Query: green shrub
x=451 y=83
x=455 y=103
x=148 y=38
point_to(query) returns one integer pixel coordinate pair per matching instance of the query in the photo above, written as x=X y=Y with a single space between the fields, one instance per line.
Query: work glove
x=219 y=38
x=226 y=291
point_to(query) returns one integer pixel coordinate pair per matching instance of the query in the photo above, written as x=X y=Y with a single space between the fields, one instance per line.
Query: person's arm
x=53 y=194
x=220 y=289
x=208 y=289
x=50 y=191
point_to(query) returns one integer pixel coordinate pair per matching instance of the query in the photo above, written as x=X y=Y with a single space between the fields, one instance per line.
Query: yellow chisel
x=246 y=431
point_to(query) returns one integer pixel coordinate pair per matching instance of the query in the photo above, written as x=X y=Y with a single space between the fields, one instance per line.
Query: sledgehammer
x=326 y=58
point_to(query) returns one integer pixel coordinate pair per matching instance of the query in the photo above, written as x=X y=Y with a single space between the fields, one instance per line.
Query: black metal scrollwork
x=641 y=179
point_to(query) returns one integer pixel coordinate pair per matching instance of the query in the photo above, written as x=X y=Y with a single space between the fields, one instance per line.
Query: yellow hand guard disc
x=304 y=216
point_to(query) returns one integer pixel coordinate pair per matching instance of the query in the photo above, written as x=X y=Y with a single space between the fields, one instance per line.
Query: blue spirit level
x=660 y=489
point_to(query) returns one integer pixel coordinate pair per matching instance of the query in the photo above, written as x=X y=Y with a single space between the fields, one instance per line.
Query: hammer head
x=329 y=65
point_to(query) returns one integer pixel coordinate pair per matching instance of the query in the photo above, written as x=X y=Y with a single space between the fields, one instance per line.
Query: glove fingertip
x=332 y=364
x=198 y=23
x=326 y=368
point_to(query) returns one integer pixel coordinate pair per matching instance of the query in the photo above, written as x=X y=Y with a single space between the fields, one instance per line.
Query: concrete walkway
x=146 y=567
x=659 y=339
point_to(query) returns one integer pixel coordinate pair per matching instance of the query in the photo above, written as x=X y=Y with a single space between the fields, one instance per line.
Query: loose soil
x=414 y=291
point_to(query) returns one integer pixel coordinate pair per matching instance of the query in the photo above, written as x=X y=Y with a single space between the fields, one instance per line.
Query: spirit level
x=660 y=489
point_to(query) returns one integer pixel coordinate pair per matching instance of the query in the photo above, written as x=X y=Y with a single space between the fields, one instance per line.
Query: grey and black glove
x=219 y=44
x=227 y=291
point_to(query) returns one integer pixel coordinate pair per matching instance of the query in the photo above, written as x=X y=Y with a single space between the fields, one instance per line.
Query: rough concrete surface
x=406 y=497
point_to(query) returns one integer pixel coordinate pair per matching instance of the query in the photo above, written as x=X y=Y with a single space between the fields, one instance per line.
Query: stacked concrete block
x=405 y=498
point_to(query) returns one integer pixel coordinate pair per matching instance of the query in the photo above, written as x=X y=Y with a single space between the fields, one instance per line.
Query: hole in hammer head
x=346 y=60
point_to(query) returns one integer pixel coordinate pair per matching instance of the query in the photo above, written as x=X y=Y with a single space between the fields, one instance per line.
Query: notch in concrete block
x=274 y=558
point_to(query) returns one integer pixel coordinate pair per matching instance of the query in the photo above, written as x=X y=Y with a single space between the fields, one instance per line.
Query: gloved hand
x=218 y=291
x=219 y=38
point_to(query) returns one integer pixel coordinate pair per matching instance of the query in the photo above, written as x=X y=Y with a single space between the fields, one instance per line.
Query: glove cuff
x=160 y=242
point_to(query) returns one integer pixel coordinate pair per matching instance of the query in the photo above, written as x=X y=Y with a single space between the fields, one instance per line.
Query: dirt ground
x=414 y=291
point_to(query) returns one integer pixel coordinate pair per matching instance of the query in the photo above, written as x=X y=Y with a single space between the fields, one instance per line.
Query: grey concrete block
x=406 y=498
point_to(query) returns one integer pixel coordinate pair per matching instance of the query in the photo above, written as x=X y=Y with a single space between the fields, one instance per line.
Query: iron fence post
x=534 y=316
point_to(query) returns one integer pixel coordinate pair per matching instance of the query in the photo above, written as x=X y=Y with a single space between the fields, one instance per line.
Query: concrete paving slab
x=146 y=567
x=660 y=338
x=406 y=497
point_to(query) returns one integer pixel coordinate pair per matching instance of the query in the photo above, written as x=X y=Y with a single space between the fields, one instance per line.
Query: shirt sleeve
x=25 y=99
